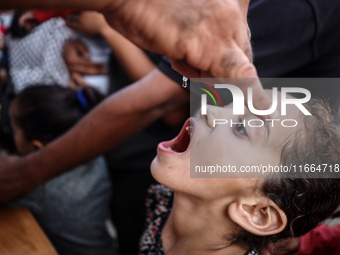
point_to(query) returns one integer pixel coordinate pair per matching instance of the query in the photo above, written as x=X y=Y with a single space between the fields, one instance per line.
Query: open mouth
x=181 y=143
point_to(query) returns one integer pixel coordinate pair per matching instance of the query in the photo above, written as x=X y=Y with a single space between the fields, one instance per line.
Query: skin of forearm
x=114 y=120
x=134 y=61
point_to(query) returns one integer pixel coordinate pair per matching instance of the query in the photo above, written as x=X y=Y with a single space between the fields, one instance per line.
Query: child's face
x=23 y=146
x=224 y=145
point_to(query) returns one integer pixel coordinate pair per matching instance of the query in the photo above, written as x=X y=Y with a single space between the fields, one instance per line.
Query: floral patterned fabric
x=158 y=205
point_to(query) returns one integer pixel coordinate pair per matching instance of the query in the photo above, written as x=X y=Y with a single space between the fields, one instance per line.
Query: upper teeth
x=189 y=129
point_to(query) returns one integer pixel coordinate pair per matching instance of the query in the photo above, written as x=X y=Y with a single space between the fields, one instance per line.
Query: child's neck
x=200 y=227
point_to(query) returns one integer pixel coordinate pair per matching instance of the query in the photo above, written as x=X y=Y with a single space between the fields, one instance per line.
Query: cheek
x=262 y=157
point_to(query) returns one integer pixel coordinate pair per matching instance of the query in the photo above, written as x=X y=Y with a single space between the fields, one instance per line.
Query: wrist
x=106 y=32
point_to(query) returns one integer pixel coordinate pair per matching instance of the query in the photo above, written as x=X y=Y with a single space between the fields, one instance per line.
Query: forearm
x=133 y=60
x=114 y=120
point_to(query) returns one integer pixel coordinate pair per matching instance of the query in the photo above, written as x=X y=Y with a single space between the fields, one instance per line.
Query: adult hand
x=76 y=81
x=87 y=22
x=211 y=36
x=207 y=35
x=77 y=59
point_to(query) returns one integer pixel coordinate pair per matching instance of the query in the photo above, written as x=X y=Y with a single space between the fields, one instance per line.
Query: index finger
x=259 y=99
x=236 y=63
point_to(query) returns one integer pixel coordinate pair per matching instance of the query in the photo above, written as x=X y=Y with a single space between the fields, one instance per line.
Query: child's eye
x=240 y=128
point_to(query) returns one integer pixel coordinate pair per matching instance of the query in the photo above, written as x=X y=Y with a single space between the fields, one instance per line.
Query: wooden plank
x=20 y=234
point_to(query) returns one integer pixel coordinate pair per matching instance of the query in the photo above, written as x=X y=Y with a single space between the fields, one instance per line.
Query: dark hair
x=15 y=30
x=46 y=112
x=305 y=201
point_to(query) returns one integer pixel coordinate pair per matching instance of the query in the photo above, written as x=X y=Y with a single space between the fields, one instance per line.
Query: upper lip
x=181 y=143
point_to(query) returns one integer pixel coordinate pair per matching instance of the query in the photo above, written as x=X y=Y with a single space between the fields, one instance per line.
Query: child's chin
x=154 y=167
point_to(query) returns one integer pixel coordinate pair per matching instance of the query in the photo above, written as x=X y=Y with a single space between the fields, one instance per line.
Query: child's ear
x=258 y=215
x=37 y=145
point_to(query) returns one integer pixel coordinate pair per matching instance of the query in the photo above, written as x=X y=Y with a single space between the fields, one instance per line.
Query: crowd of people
x=90 y=111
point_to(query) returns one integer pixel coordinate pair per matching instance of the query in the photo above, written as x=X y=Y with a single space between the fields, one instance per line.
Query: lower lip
x=163 y=148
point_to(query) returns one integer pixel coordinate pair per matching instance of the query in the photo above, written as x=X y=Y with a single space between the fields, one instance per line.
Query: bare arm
x=208 y=35
x=133 y=60
x=119 y=116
